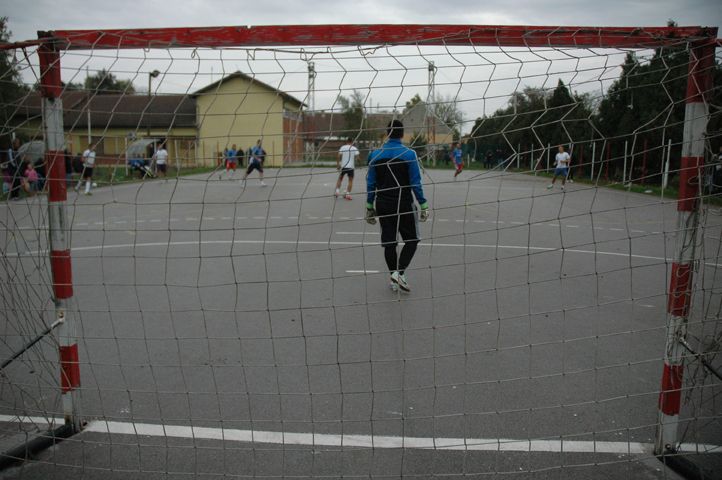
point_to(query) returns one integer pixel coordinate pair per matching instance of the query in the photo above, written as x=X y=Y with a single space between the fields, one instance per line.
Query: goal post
x=59 y=233
x=699 y=81
x=470 y=227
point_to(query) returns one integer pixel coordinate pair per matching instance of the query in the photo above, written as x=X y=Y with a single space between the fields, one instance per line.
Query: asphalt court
x=534 y=314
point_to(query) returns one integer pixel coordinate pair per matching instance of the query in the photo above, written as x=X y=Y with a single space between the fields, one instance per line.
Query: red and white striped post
x=60 y=232
x=680 y=287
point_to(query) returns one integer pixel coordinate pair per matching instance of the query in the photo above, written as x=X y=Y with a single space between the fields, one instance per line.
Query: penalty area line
x=378 y=441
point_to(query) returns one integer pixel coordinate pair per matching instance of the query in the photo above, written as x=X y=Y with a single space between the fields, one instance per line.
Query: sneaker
x=88 y=193
x=220 y=176
x=400 y=280
x=550 y=186
x=335 y=194
x=571 y=181
x=263 y=184
x=242 y=182
x=564 y=188
x=348 y=196
x=394 y=287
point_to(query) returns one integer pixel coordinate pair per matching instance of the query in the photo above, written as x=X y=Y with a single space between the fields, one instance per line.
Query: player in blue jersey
x=255 y=162
x=393 y=181
x=230 y=162
x=457 y=155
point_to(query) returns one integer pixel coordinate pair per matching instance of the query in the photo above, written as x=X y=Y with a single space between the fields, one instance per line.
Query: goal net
x=191 y=287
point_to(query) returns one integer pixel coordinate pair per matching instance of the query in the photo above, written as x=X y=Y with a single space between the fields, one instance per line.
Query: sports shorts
x=162 y=167
x=87 y=172
x=459 y=166
x=395 y=221
x=230 y=165
x=561 y=171
x=254 y=166
x=347 y=171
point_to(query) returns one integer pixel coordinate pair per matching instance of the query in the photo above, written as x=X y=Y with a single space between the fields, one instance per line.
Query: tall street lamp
x=152 y=74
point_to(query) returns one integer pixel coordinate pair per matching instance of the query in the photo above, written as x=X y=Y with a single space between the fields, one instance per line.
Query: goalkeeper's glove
x=370 y=215
x=423 y=215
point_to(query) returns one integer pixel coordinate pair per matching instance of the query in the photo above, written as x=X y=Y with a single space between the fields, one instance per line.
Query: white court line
x=357 y=233
x=359 y=244
x=366 y=441
x=362 y=271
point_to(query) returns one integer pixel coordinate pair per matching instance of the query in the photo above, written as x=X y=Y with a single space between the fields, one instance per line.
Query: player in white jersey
x=161 y=161
x=562 y=167
x=345 y=162
x=88 y=160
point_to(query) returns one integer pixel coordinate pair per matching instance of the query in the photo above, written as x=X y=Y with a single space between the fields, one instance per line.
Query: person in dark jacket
x=392 y=182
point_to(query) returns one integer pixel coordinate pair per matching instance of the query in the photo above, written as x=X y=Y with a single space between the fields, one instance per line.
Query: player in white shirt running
x=562 y=167
x=345 y=162
x=88 y=165
x=161 y=161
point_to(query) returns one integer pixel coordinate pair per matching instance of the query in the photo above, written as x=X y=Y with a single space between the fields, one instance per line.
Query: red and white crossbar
x=357 y=35
x=60 y=233
x=680 y=286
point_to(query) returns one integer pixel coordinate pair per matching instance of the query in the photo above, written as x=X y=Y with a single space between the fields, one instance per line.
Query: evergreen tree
x=12 y=88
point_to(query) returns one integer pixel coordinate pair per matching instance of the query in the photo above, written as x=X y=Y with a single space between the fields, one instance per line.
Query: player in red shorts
x=457 y=155
x=230 y=162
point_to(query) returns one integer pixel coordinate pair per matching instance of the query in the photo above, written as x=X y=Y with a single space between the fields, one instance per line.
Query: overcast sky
x=26 y=17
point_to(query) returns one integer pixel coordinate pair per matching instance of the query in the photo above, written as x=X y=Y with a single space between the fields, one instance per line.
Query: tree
x=354 y=116
x=12 y=88
x=446 y=109
x=105 y=82
x=533 y=119
x=413 y=102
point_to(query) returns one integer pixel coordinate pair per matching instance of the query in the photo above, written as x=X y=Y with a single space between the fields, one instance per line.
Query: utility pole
x=430 y=116
x=312 y=107
x=153 y=74
x=87 y=94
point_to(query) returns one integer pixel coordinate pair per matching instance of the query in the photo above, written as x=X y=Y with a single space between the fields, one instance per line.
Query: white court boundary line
x=302 y=242
x=366 y=441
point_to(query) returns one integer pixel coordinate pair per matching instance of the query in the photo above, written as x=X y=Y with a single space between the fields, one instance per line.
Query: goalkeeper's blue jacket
x=393 y=174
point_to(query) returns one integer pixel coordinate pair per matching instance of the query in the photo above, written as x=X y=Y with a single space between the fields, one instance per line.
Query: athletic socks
x=87 y=187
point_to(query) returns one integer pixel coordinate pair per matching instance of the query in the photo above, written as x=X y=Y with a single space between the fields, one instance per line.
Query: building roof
x=130 y=111
x=240 y=75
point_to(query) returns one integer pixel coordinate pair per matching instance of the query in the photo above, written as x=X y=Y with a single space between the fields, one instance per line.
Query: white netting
x=236 y=330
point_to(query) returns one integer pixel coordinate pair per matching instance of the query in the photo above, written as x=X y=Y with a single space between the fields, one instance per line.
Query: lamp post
x=152 y=74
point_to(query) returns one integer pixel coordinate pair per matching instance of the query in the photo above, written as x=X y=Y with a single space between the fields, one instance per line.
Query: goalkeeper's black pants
x=398 y=221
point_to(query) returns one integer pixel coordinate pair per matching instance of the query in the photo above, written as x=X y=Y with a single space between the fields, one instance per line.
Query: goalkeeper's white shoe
x=400 y=280
x=394 y=287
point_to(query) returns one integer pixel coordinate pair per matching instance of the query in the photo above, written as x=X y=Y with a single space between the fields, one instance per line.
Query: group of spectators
x=20 y=173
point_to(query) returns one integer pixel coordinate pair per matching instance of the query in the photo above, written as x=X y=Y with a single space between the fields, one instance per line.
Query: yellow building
x=241 y=110
x=196 y=128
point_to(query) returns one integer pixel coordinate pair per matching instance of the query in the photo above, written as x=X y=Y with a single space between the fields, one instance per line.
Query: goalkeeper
x=393 y=175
